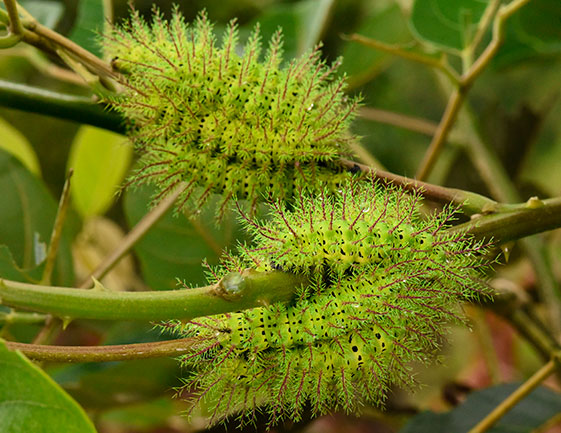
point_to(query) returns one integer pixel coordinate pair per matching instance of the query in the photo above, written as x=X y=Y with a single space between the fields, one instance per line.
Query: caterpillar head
x=210 y=120
x=382 y=284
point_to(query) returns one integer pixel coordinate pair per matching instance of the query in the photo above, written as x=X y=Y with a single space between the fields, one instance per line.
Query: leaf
x=90 y=22
x=175 y=247
x=26 y=219
x=538 y=25
x=10 y=270
x=100 y=160
x=102 y=386
x=47 y=13
x=145 y=416
x=541 y=166
x=531 y=33
x=285 y=17
x=30 y=401
x=15 y=143
x=532 y=412
x=107 y=385
x=446 y=24
x=315 y=15
x=300 y=22
x=361 y=62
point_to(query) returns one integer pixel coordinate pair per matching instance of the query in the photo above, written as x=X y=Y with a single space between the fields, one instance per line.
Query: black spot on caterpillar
x=382 y=283
x=213 y=121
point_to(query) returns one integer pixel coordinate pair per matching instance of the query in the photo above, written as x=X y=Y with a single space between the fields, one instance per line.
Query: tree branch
x=469 y=202
x=448 y=118
x=534 y=216
x=234 y=292
x=44 y=38
x=120 y=352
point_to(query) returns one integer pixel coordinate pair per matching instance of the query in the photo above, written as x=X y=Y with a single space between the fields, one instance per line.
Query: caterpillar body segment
x=291 y=375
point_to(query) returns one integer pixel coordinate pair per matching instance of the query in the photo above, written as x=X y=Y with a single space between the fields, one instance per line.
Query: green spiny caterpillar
x=205 y=117
x=382 y=282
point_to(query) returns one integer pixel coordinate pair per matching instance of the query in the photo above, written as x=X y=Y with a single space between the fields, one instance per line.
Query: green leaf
x=47 y=13
x=541 y=166
x=14 y=142
x=30 y=401
x=538 y=24
x=531 y=33
x=10 y=270
x=27 y=216
x=301 y=24
x=101 y=386
x=90 y=22
x=532 y=412
x=145 y=416
x=446 y=24
x=285 y=17
x=387 y=25
x=176 y=247
x=100 y=160
x=315 y=14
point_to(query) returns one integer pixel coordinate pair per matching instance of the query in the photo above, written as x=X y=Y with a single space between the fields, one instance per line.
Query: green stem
x=4 y=18
x=507 y=304
x=15 y=23
x=121 y=352
x=36 y=34
x=57 y=231
x=511 y=401
x=78 y=108
x=255 y=288
x=484 y=23
x=484 y=59
x=519 y=221
x=9 y=41
x=441 y=63
x=234 y=292
x=454 y=104
x=17 y=317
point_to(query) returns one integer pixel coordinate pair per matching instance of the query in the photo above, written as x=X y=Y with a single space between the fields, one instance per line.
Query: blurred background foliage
x=514 y=109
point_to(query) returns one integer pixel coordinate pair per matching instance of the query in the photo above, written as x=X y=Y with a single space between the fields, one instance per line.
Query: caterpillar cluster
x=382 y=282
x=213 y=121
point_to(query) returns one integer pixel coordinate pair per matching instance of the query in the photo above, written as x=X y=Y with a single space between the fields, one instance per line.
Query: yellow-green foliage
x=240 y=125
x=383 y=281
